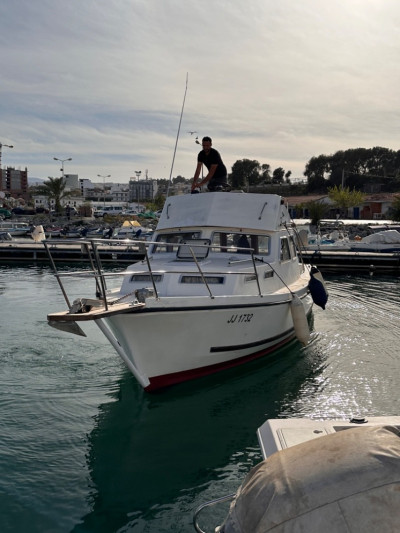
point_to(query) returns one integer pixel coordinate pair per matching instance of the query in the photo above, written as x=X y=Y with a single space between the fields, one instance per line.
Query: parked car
x=23 y=211
x=41 y=210
x=18 y=211
x=5 y=213
x=108 y=210
x=130 y=212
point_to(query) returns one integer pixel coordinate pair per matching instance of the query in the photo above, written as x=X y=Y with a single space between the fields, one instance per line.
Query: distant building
x=374 y=207
x=14 y=183
x=49 y=203
x=119 y=192
x=71 y=181
x=142 y=190
x=87 y=187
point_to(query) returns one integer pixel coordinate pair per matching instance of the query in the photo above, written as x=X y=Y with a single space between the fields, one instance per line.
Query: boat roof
x=264 y=212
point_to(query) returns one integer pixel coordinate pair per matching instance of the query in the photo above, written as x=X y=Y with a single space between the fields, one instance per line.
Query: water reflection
x=149 y=451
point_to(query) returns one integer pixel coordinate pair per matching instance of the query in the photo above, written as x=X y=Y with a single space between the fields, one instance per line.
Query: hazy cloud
x=103 y=82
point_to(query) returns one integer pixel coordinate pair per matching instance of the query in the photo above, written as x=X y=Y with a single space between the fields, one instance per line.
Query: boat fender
x=38 y=234
x=300 y=322
x=316 y=285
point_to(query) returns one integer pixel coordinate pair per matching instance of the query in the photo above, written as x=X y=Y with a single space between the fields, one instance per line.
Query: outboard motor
x=5 y=236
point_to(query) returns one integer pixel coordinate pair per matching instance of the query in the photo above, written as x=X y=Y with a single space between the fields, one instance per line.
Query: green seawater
x=83 y=449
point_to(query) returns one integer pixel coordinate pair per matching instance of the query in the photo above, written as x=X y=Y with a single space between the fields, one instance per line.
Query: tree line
x=358 y=168
x=355 y=168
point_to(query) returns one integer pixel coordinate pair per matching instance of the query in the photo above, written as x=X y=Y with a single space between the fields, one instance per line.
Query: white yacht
x=220 y=284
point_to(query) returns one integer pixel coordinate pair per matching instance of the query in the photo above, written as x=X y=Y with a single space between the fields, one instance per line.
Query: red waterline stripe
x=167 y=380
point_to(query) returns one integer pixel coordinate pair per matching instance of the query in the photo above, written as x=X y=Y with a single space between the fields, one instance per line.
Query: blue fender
x=317 y=288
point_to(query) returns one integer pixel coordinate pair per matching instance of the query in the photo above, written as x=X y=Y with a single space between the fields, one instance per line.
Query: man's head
x=206 y=143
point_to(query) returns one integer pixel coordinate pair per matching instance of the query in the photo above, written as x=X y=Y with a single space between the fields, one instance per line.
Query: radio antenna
x=177 y=135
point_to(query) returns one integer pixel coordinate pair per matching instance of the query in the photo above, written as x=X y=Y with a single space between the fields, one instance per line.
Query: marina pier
x=62 y=251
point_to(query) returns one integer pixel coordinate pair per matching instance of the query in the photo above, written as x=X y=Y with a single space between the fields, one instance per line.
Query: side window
x=166 y=241
x=292 y=246
x=263 y=244
x=285 y=251
x=219 y=242
x=230 y=242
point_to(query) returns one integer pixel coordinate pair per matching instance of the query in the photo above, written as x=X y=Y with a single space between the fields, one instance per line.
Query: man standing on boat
x=217 y=177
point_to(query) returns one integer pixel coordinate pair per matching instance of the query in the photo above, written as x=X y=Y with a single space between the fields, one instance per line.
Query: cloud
x=280 y=82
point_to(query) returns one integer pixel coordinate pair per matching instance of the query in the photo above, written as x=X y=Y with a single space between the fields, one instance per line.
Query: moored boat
x=387 y=241
x=15 y=229
x=319 y=475
x=221 y=284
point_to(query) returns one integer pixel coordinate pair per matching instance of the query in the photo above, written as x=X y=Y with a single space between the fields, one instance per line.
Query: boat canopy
x=219 y=209
x=391 y=236
x=130 y=224
x=346 y=481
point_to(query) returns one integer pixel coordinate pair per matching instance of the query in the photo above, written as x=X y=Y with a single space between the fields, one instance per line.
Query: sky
x=117 y=85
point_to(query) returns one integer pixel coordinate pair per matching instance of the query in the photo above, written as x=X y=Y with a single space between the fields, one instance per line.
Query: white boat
x=130 y=229
x=334 y=236
x=221 y=284
x=330 y=235
x=334 y=241
x=387 y=241
x=319 y=475
x=53 y=232
x=15 y=229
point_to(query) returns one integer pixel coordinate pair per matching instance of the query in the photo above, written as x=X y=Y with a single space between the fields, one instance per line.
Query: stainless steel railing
x=93 y=248
x=226 y=498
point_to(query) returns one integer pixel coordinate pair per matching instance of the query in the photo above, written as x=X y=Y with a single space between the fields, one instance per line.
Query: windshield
x=166 y=241
x=240 y=243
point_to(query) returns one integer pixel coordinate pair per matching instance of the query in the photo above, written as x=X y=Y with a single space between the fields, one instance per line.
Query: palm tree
x=394 y=211
x=316 y=212
x=344 y=198
x=54 y=189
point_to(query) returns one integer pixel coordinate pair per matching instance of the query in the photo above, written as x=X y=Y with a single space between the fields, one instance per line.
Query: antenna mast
x=177 y=135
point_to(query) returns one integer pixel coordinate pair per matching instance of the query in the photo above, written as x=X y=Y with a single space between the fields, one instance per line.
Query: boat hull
x=171 y=346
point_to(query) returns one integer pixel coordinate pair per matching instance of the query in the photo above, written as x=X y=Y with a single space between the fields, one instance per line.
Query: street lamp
x=62 y=161
x=104 y=186
x=1 y=146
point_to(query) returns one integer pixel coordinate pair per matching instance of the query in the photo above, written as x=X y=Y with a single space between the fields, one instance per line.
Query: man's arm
x=210 y=174
x=196 y=176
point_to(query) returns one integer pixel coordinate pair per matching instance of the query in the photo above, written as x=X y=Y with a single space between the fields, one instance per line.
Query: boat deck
x=277 y=434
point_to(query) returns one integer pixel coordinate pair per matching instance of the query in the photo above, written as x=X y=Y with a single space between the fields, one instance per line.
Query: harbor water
x=83 y=449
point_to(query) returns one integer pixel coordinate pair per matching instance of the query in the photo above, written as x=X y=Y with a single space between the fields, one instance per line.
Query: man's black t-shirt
x=213 y=158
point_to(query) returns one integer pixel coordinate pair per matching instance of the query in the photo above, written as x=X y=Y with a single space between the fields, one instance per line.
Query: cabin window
x=198 y=247
x=211 y=280
x=285 y=249
x=263 y=242
x=145 y=277
x=166 y=242
x=240 y=243
x=292 y=246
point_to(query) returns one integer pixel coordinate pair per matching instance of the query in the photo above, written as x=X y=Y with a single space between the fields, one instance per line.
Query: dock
x=35 y=252
x=335 y=262
x=332 y=262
